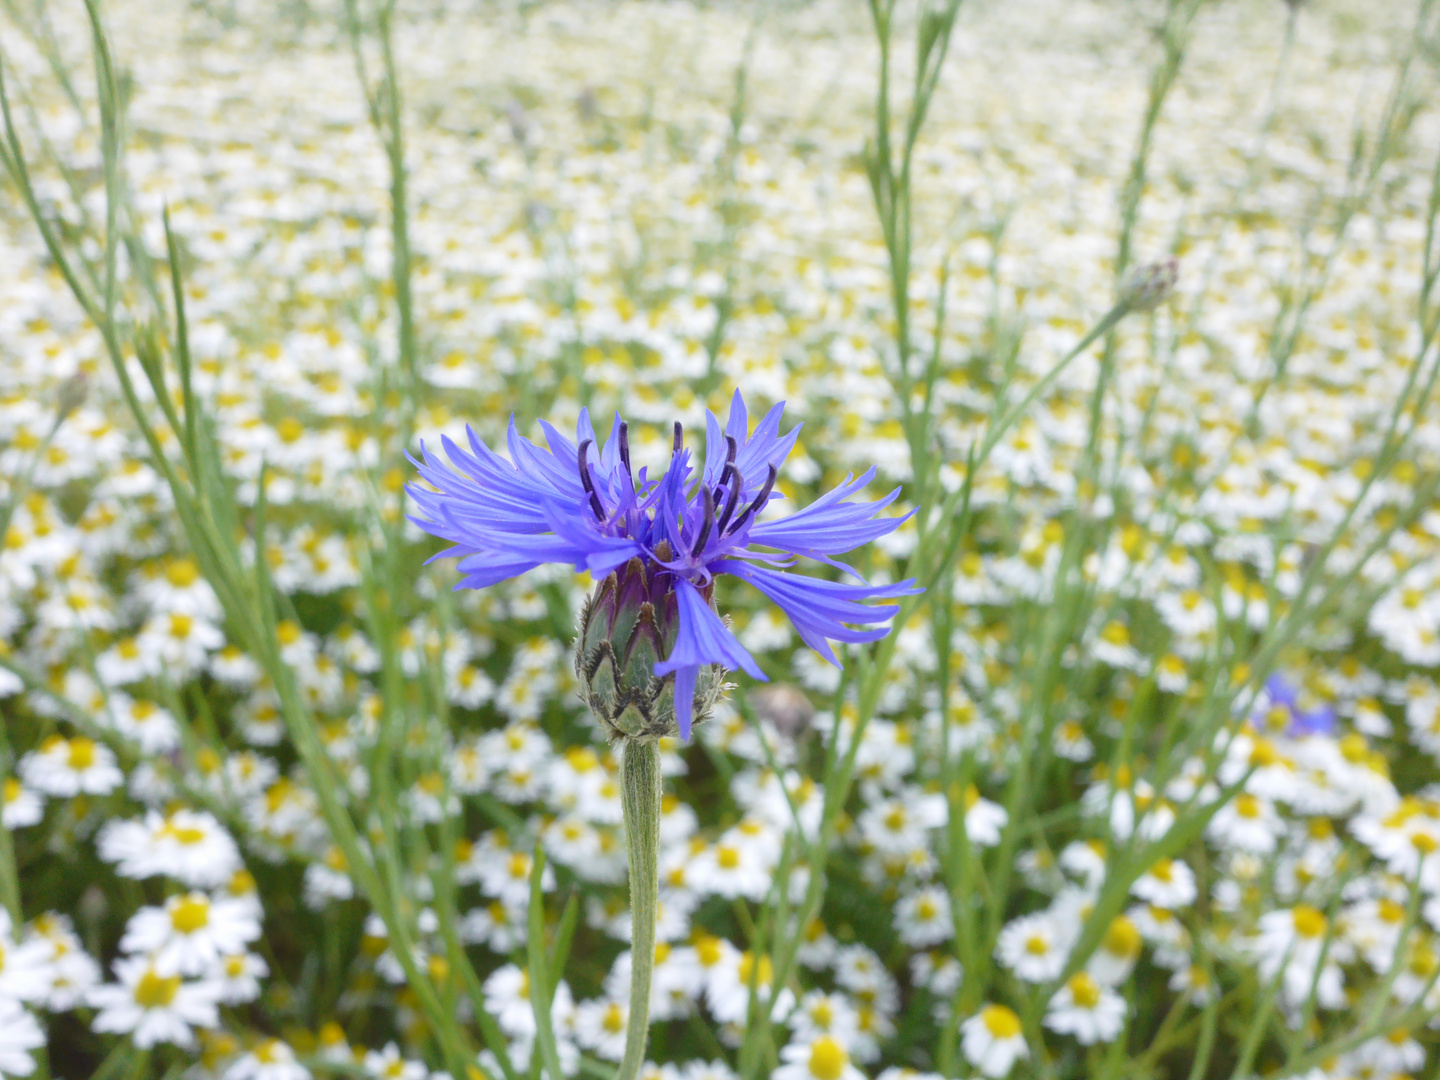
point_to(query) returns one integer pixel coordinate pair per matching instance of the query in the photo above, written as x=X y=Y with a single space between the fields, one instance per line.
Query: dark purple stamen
x=625 y=449
x=729 y=507
x=759 y=502
x=730 y=450
x=706 y=525
x=588 y=484
x=679 y=438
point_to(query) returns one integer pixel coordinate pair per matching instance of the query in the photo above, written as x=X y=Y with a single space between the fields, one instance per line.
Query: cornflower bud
x=627 y=626
x=1148 y=286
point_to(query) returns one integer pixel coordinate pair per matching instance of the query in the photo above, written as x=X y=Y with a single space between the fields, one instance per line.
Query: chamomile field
x=707 y=541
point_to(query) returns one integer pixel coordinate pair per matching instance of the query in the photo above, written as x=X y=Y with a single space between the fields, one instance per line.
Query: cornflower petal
x=588 y=549
x=821 y=609
x=830 y=525
x=530 y=458
x=757 y=451
x=703 y=638
x=685 y=678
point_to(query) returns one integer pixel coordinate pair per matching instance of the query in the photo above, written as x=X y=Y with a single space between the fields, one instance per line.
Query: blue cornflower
x=1301 y=722
x=667 y=536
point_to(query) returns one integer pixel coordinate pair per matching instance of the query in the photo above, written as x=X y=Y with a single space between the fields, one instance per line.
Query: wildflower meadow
x=719 y=539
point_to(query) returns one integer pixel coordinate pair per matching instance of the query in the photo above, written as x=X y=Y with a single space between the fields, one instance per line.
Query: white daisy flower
x=19 y=1034
x=922 y=918
x=821 y=1058
x=1033 y=947
x=190 y=934
x=1169 y=883
x=820 y=1014
x=145 y=723
x=69 y=970
x=269 y=1059
x=389 y=1064
x=63 y=768
x=1086 y=1009
x=239 y=977
x=19 y=806
x=153 y=1008
x=1247 y=822
x=187 y=845
x=1119 y=949
x=25 y=973
x=500 y=928
x=992 y=1041
x=732 y=867
x=727 y=988
x=600 y=1027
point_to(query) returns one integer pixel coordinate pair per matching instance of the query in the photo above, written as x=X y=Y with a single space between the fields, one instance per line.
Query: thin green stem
x=640 y=799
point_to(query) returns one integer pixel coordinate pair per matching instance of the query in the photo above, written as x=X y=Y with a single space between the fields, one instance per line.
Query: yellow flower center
x=1423 y=961
x=614 y=1021
x=1309 y=922
x=82 y=753
x=728 y=857
x=1084 y=991
x=191 y=914
x=1122 y=938
x=1390 y=911
x=708 y=950
x=827 y=1059
x=747 y=963
x=182 y=573
x=155 y=991
x=582 y=759
x=1001 y=1022
x=185 y=834
x=1263 y=753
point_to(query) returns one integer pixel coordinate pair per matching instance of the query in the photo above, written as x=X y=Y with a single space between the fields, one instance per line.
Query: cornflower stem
x=640 y=801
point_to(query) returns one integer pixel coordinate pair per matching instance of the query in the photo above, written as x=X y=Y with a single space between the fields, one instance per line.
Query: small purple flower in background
x=1283 y=696
x=657 y=543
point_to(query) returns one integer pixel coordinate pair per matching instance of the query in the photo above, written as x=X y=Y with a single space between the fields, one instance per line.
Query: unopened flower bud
x=628 y=625
x=1148 y=286
x=785 y=706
